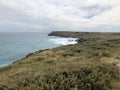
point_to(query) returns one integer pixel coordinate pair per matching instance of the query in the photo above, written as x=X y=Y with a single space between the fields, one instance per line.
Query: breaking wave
x=64 y=41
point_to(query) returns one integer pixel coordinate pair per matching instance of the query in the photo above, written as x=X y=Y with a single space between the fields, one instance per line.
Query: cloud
x=61 y=15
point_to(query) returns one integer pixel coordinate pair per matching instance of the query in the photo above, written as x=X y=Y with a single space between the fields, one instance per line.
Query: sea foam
x=64 y=41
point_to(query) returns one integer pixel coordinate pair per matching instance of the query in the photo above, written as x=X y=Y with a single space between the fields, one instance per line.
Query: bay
x=14 y=46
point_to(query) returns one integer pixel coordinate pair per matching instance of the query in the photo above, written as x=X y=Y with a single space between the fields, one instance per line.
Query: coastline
x=53 y=42
x=92 y=59
x=70 y=38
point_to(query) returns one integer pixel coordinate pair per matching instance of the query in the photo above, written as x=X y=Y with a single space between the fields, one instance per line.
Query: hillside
x=92 y=64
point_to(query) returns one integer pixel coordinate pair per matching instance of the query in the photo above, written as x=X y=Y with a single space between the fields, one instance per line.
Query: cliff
x=79 y=34
x=90 y=65
x=70 y=34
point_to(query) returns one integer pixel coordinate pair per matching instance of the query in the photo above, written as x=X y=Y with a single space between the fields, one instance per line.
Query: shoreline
x=75 y=35
x=67 y=42
x=92 y=60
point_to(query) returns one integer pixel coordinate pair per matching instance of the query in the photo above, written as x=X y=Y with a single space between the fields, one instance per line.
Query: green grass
x=90 y=65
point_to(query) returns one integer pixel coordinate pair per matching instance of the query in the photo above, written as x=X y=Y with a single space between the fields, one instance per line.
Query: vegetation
x=93 y=64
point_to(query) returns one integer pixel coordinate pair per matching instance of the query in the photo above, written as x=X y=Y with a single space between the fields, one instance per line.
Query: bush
x=86 y=78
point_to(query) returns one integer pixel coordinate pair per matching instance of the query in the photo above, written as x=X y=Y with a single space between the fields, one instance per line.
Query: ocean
x=14 y=46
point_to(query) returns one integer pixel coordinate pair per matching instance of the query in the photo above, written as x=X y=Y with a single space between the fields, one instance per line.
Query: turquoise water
x=14 y=46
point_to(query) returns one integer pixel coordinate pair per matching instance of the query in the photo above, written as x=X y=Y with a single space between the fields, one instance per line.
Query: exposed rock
x=80 y=40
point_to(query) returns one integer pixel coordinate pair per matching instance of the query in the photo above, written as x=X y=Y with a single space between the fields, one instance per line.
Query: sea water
x=14 y=46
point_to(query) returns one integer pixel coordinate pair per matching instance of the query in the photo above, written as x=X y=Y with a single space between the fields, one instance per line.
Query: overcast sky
x=49 y=15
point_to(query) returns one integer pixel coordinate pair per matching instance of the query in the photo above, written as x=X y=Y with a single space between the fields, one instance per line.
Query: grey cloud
x=95 y=10
x=58 y=15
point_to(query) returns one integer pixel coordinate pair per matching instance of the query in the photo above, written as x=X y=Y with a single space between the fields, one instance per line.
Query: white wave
x=64 y=41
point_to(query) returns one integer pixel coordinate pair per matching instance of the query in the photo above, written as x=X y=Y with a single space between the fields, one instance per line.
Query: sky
x=61 y=15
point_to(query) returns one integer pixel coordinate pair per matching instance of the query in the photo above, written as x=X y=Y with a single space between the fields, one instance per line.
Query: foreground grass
x=90 y=65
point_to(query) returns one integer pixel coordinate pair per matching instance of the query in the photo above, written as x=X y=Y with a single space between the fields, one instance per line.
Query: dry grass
x=90 y=65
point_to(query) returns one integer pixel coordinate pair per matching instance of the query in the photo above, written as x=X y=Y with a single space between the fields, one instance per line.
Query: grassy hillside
x=90 y=65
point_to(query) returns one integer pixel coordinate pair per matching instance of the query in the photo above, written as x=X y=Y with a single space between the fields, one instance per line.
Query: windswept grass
x=90 y=65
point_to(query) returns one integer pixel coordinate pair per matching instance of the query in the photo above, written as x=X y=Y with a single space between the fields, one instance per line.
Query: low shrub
x=86 y=78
